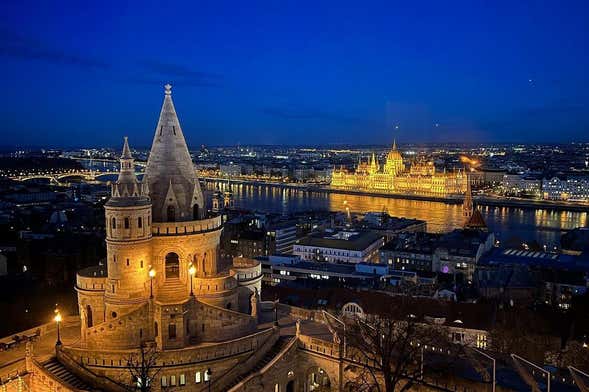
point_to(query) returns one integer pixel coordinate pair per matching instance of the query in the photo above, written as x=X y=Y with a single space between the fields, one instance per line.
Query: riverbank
x=456 y=199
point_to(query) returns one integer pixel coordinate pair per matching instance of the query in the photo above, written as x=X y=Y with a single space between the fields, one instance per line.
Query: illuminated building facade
x=420 y=178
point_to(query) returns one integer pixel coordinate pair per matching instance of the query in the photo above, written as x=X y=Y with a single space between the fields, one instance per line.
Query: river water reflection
x=543 y=226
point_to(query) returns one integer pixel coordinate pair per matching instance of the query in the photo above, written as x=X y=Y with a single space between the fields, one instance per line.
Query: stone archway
x=317 y=380
x=172 y=266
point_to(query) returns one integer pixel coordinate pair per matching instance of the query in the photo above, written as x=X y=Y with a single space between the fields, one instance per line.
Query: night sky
x=295 y=73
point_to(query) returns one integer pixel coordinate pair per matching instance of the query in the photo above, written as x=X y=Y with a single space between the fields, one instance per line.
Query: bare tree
x=388 y=350
x=142 y=368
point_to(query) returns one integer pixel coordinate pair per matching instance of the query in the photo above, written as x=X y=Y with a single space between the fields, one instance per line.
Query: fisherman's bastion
x=164 y=293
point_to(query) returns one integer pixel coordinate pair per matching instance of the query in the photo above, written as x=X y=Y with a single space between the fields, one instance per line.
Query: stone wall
x=218 y=324
x=120 y=332
x=222 y=358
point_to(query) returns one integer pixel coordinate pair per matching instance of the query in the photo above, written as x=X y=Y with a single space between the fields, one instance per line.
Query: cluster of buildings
x=420 y=178
x=204 y=286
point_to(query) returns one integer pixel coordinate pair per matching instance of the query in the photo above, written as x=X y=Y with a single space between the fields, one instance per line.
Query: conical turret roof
x=127 y=190
x=126 y=150
x=170 y=173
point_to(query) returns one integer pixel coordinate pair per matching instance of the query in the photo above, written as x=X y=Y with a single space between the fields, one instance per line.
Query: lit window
x=182 y=379
x=164 y=381
x=197 y=378
x=172 y=381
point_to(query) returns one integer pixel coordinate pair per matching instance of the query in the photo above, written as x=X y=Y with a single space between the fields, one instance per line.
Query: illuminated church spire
x=467 y=205
x=170 y=174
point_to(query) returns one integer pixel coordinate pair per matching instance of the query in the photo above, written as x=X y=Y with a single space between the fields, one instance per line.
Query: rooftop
x=347 y=240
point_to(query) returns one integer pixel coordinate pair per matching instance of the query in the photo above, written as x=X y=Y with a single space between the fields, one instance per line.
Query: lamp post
x=494 y=365
x=191 y=272
x=151 y=276
x=209 y=376
x=57 y=320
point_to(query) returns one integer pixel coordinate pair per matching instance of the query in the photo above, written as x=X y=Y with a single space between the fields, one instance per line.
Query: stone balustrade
x=319 y=346
x=214 y=285
x=184 y=228
x=91 y=278
x=183 y=356
x=246 y=269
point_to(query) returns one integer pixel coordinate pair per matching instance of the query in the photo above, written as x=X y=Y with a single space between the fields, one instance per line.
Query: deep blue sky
x=294 y=72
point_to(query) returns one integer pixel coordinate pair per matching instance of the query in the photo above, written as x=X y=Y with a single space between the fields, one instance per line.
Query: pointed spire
x=127 y=185
x=126 y=150
x=394 y=144
x=170 y=165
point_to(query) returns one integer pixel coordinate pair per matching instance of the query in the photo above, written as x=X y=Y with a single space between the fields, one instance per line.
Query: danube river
x=544 y=226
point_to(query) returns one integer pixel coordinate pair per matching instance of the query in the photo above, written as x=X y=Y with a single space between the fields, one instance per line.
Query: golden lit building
x=420 y=178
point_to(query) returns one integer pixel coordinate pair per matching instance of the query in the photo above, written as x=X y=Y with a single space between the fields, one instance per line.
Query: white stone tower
x=128 y=231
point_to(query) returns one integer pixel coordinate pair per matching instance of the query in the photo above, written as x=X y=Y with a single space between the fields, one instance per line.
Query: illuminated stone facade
x=163 y=284
x=420 y=178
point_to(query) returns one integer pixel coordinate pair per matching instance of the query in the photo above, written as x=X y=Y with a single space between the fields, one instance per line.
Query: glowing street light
x=191 y=271
x=57 y=320
x=151 y=276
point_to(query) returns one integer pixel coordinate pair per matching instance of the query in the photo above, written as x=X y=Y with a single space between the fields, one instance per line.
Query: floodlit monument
x=420 y=178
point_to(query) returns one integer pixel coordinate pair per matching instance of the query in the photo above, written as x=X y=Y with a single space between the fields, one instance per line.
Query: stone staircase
x=270 y=355
x=172 y=292
x=54 y=367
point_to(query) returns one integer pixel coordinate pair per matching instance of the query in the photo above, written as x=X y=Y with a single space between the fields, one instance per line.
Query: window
x=182 y=380
x=139 y=222
x=164 y=381
x=276 y=388
x=126 y=223
x=141 y=264
x=207 y=376
x=195 y=212
x=171 y=212
x=172 y=331
x=114 y=314
x=127 y=262
x=155 y=331
x=197 y=378
x=172 y=381
x=114 y=223
x=88 y=316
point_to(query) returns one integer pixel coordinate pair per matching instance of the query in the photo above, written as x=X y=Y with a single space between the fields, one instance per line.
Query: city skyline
x=285 y=75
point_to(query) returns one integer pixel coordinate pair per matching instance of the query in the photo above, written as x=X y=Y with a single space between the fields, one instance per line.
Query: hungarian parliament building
x=420 y=178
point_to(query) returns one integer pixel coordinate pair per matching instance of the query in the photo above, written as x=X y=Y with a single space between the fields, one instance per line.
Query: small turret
x=217 y=199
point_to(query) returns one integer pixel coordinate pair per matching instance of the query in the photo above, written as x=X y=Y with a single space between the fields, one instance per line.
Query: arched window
x=195 y=212
x=155 y=331
x=126 y=223
x=171 y=214
x=204 y=261
x=172 y=266
x=88 y=316
x=113 y=223
x=139 y=222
